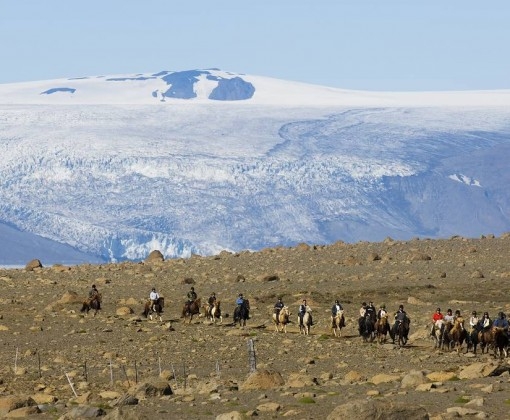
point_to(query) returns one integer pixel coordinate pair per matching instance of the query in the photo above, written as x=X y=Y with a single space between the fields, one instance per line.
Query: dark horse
x=400 y=331
x=92 y=303
x=242 y=313
x=367 y=328
x=500 y=340
x=191 y=309
x=151 y=309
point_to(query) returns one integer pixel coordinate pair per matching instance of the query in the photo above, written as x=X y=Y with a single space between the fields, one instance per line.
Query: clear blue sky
x=353 y=44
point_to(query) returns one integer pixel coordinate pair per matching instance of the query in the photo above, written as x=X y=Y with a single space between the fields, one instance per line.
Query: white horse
x=215 y=313
x=338 y=322
x=304 y=328
x=283 y=319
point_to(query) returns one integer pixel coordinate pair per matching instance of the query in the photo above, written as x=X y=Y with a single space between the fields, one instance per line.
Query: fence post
x=252 y=359
x=39 y=364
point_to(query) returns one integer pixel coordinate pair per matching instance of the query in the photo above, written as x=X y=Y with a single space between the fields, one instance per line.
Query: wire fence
x=32 y=366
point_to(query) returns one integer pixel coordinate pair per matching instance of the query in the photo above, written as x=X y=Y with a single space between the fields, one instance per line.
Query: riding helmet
x=457 y=312
x=449 y=311
x=337 y=302
x=438 y=310
x=473 y=313
x=401 y=307
x=486 y=314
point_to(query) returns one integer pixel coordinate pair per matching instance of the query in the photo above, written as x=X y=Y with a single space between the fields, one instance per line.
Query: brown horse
x=213 y=313
x=485 y=339
x=151 y=309
x=190 y=309
x=500 y=341
x=338 y=322
x=382 y=328
x=282 y=320
x=92 y=303
x=458 y=334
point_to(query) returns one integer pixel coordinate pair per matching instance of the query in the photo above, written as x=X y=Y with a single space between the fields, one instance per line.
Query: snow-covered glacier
x=108 y=178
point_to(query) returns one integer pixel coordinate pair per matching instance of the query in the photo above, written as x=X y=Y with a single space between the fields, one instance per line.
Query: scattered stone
x=263 y=379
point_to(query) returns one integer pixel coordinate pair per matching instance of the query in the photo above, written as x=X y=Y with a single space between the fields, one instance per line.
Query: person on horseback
x=501 y=322
x=336 y=307
x=381 y=313
x=303 y=308
x=458 y=319
x=239 y=300
x=449 y=316
x=485 y=323
x=361 y=319
x=437 y=316
x=277 y=308
x=154 y=298
x=211 y=301
x=473 y=321
x=192 y=296
x=94 y=295
x=401 y=317
x=370 y=312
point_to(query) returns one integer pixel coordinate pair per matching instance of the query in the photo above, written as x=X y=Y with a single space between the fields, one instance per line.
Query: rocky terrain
x=57 y=362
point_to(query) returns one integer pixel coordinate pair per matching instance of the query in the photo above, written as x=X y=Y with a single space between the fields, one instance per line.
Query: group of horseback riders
x=369 y=316
x=302 y=310
x=476 y=324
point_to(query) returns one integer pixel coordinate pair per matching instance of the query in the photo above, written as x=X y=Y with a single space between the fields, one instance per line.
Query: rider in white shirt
x=154 y=297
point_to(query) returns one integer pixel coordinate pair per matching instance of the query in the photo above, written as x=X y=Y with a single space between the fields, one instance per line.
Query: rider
x=362 y=312
x=485 y=323
x=192 y=296
x=473 y=321
x=501 y=322
x=304 y=308
x=458 y=321
x=336 y=308
x=154 y=297
x=239 y=300
x=449 y=316
x=438 y=316
x=211 y=301
x=401 y=316
x=370 y=312
x=277 y=308
x=94 y=295
x=381 y=313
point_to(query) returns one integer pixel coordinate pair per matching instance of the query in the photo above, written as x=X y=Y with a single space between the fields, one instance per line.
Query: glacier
x=109 y=168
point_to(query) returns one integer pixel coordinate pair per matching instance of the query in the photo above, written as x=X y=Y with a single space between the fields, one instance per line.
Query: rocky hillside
x=60 y=363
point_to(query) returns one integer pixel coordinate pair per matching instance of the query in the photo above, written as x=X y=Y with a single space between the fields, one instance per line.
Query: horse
x=400 y=331
x=190 y=309
x=338 y=322
x=156 y=308
x=282 y=319
x=485 y=339
x=458 y=335
x=438 y=333
x=213 y=313
x=382 y=327
x=92 y=303
x=367 y=328
x=242 y=313
x=500 y=340
x=304 y=326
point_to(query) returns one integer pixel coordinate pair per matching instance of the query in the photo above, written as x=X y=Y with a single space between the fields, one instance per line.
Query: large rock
x=33 y=264
x=13 y=402
x=155 y=256
x=478 y=370
x=153 y=388
x=377 y=410
x=263 y=379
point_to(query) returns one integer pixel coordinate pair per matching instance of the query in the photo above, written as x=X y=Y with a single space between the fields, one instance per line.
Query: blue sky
x=353 y=44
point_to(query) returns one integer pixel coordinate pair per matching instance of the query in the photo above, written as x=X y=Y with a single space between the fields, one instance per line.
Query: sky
x=391 y=45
